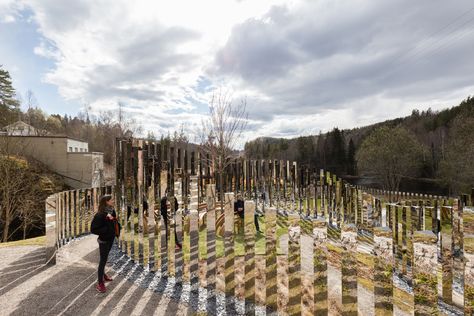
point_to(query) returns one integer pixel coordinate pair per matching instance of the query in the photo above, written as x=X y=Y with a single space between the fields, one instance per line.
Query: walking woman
x=106 y=226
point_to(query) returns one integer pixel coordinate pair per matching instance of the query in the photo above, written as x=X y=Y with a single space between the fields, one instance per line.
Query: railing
x=69 y=215
x=393 y=244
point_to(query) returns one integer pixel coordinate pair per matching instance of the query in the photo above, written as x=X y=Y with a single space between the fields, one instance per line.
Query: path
x=27 y=287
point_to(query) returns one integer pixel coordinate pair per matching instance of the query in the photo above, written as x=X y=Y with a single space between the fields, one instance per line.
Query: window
x=75 y=149
x=70 y=149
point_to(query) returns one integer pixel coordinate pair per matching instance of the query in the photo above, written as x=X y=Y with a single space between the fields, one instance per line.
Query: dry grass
x=37 y=241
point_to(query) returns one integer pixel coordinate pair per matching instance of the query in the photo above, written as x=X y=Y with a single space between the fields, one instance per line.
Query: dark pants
x=164 y=216
x=104 y=249
x=257 y=226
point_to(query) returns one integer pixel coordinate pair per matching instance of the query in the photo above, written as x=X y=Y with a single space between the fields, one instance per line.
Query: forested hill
x=438 y=133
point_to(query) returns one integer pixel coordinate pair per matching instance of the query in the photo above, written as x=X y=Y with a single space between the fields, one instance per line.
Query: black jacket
x=103 y=227
x=239 y=204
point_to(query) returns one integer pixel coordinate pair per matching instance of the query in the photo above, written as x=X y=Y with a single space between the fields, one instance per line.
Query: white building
x=20 y=128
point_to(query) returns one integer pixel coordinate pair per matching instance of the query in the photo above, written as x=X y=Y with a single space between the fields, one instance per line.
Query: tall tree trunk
x=24 y=229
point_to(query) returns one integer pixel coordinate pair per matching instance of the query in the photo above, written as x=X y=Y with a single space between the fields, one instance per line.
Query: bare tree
x=23 y=188
x=220 y=133
x=14 y=185
x=180 y=139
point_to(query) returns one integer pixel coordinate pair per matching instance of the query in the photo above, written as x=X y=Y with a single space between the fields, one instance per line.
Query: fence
x=313 y=222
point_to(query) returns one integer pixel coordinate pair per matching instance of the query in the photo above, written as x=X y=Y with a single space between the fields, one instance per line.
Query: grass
x=37 y=241
x=239 y=242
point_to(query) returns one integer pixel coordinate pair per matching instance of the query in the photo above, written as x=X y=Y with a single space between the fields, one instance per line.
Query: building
x=66 y=156
x=20 y=128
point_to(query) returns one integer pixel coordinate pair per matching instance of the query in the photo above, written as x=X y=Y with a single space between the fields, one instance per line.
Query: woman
x=165 y=205
x=103 y=224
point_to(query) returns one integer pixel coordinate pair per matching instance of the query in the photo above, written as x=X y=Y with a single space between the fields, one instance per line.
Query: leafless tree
x=15 y=185
x=220 y=133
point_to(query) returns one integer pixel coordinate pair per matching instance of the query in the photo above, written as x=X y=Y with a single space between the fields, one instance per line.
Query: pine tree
x=9 y=105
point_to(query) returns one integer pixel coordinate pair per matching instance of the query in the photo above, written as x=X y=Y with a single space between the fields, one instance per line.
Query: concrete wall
x=51 y=151
x=79 y=169
x=85 y=168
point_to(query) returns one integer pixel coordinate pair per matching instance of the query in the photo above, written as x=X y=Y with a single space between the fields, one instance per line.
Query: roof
x=19 y=123
x=50 y=136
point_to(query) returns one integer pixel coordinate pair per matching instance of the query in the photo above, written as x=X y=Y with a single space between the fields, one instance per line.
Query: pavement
x=28 y=287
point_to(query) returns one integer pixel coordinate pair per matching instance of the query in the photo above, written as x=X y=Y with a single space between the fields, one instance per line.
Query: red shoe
x=100 y=288
x=107 y=278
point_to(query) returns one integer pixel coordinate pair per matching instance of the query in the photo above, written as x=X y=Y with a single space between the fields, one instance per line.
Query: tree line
x=435 y=146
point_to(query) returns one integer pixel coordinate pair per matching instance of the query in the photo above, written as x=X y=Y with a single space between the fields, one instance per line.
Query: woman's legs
x=104 y=249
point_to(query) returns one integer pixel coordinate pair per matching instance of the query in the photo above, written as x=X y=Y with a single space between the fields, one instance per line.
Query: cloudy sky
x=303 y=66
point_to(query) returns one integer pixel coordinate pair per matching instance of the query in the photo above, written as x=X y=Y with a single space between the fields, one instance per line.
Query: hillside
x=335 y=150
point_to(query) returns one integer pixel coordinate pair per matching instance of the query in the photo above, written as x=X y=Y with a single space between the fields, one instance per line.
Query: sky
x=301 y=66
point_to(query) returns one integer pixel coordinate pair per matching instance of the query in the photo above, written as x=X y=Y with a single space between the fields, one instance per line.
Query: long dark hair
x=103 y=202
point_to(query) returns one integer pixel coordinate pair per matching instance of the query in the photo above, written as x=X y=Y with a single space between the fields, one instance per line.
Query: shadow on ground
x=68 y=288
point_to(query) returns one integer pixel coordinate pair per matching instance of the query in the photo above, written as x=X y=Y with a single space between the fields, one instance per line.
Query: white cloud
x=303 y=66
x=9 y=9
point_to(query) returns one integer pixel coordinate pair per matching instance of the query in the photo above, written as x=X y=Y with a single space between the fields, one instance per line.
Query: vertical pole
x=271 y=260
x=468 y=247
x=383 y=285
x=320 y=238
x=140 y=193
x=194 y=242
x=67 y=210
x=178 y=217
x=249 y=211
x=349 y=270
x=425 y=285
x=294 y=265
x=229 y=252
x=211 y=245
x=51 y=226
x=447 y=253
